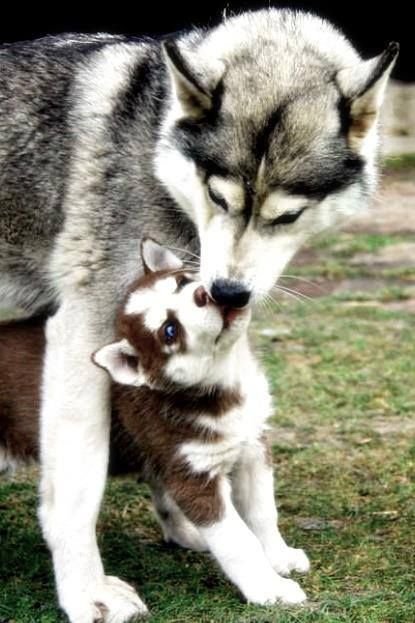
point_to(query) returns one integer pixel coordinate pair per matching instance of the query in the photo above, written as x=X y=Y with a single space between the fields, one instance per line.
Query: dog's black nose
x=229 y=293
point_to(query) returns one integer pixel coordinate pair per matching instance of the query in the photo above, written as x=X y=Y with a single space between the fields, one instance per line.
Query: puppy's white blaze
x=154 y=318
x=139 y=301
x=156 y=300
x=280 y=202
x=163 y=300
x=166 y=286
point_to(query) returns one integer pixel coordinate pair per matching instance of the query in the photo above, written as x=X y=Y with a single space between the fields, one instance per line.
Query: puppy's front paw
x=280 y=590
x=289 y=559
x=290 y=592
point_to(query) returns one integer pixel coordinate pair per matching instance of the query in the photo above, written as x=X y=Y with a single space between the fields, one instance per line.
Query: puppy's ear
x=363 y=87
x=121 y=362
x=156 y=258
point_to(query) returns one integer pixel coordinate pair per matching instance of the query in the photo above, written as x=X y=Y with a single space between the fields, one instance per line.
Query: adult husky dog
x=241 y=141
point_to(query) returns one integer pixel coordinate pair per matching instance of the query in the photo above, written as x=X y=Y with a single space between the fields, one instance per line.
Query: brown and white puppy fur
x=190 y=405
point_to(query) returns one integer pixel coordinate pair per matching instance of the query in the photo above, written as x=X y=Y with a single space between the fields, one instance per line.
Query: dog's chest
x=239 y=428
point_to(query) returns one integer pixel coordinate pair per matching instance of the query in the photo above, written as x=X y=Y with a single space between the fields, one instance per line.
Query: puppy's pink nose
x=200 y=296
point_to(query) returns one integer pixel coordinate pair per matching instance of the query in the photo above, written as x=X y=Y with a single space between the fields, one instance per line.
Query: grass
x=345 y=463
x=331 y=253
x=403 y=161
x=344 y=452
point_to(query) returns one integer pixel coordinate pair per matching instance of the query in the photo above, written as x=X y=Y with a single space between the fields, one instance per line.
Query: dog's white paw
x=290 y=592
x=289 y=559
x=113 y=601
x=119 y=601
x=280 y=591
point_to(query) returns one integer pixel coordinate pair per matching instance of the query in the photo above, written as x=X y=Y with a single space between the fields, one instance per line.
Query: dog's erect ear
x=155 y=257
x=194 y=97
x=363 y=87
x=120 y=360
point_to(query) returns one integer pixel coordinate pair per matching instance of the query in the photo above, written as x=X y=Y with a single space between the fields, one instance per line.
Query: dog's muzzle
x=229 y=293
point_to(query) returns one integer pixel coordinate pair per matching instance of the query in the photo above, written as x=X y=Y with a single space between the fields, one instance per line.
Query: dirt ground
x=392 y=215
x=398 y=119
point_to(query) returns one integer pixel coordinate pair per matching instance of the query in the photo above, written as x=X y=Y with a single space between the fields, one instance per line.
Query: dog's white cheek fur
x=242 y=425
x=179 y=175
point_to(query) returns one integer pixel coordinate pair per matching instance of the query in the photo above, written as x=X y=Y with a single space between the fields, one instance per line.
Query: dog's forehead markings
x=154 y=317
x=166 y=286
x=230 y=190
x=280 y=202
x=261 y=174
x=156 y=296
x=139 y=301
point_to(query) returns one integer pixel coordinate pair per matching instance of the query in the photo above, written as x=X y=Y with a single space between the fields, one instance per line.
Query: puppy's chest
x=233 y=431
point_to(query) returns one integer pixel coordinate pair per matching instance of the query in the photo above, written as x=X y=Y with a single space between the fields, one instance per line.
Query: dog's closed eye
x=288 y=217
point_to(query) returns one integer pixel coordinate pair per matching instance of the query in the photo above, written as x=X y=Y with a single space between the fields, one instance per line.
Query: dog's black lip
x=226 y=323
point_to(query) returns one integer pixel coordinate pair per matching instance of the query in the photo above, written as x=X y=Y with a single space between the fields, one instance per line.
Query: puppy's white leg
x=253 y=494
x=177 y=528
x=74 y=455
x=242 y=558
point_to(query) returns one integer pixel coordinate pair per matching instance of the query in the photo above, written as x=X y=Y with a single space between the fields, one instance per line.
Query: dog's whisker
x=181 y=250
x=270 y=303
x=294 y=293
x=293 y=296
x=302 y=279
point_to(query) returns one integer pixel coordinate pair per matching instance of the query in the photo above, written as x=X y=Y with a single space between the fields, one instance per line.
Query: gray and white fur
x=237 y=142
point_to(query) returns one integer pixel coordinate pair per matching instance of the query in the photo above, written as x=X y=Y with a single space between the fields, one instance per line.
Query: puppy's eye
x=288 y=217
x=170 y=332
x=183 y=281
x=217 y=199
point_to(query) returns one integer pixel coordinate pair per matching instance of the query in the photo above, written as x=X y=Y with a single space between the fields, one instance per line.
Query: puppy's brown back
x=22 y=345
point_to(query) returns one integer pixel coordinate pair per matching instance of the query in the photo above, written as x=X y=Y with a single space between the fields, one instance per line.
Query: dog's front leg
x=176 y=527
x=74 y=456
x=238 y=551
x=253 y=494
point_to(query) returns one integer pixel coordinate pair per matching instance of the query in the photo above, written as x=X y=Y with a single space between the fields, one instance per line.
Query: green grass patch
x=335 y=256
x=345 y=464
x=345 y=244
x=342 y=375
x=403 y=161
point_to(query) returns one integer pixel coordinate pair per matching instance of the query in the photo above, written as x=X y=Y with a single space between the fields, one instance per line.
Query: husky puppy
x=193 y=417
x=237 y=142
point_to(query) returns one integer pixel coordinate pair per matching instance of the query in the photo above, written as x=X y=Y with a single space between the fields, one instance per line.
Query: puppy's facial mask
x=170 y=330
